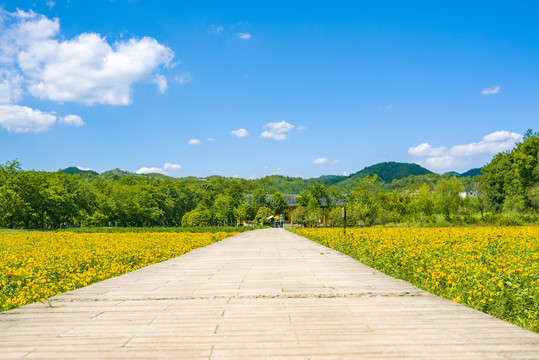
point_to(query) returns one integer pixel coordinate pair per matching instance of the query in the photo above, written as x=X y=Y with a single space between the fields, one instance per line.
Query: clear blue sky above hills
x=250 y=88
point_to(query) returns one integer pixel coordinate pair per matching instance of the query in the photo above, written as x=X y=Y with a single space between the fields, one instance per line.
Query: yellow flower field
x=36 y=266
x=492 y=269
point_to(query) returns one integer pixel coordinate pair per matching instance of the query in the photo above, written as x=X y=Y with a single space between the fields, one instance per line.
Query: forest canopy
x=505 y=192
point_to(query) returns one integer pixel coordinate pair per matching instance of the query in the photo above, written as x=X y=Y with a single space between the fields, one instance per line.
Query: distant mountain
x=386 y=172
x=453 y=173
x=393 y=174
x=389 y=171
x=471 y=172
x=73 y=170
x=115 y=174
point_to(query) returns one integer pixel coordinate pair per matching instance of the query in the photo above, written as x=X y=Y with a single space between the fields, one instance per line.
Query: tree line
x=506 y=192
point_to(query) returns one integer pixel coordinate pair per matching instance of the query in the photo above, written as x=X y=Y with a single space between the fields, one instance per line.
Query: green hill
x=386 y=172
x=115 y=174
x=471 y=172
x=73 y=170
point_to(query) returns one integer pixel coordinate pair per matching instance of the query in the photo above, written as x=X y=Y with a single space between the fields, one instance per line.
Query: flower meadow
x=35 y=266
x=491 y=269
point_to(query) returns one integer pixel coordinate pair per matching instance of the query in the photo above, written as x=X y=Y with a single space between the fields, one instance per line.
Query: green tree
x=262 y=216
x=277 y=203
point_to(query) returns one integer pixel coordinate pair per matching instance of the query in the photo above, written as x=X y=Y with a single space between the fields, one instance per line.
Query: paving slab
x=265 y=294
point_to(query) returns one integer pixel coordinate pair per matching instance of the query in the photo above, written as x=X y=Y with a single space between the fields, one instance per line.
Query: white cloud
x=426 y=150
x=51 y=4
x=490 y=144
x=150 y=170
x=172 y=167
x=320 y=161
x=10 y=86
x=211 y=139
x=85 y=69
x=446 y=162
x=502 y=135
x=194 y=142
x=458 y=156
x=323 y=160
x=345 y=173
x=276 y=130
x=162 y=84
x=241 y=133
x=168 y=167
x=301 y=128
x=490 y=91
x=73 y=120
x=184 y=78
x=22 y=119
x=84 y=168
x=244 y=36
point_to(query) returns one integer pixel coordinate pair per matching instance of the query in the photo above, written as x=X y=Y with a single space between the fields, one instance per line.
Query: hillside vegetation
x=507 y=192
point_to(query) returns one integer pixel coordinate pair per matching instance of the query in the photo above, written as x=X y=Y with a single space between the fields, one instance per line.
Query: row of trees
x=42 y=200
x=507 y=191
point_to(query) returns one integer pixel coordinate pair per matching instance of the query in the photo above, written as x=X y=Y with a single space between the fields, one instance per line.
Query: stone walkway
x=262 y=294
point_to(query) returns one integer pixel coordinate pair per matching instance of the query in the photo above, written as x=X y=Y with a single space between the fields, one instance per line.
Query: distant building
x=292 y=204
x=467 y=193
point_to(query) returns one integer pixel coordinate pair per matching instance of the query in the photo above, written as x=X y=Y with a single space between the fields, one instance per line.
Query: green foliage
x=118 y=229
x=76 y=171
x=277 y=203
x=197 y=217
x=386 y=172
x=510 y=180
x=384 y=194
x=306 y=216
x=262 y=215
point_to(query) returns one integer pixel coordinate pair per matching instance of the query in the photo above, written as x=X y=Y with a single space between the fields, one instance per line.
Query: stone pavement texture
x=262 y=294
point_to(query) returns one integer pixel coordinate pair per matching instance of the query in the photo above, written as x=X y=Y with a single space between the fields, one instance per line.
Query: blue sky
x=252 y=88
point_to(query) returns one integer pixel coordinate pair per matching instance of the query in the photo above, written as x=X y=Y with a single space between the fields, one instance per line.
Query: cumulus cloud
x=172 y=167
x=194 y=142
x=84 y=168
x=150 y=170
x=426 y=150
x=276 y=130
x=22 y=119
x=461 y=155
x=320 y=161
x=490 y=144
x=491 y=91
x=73 y=120
x=10 y=86
x=241 y=133
x=323 y=160
x=184 y=78
x=85 y=69
x=244 y=36
x=167 y=168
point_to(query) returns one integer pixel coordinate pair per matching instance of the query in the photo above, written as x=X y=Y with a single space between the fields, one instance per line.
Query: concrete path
x=262 y=294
